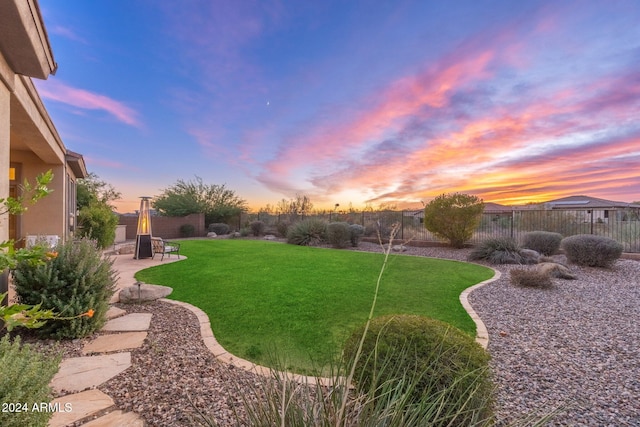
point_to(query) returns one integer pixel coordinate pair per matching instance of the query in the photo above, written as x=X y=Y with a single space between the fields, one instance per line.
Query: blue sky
x=362 y=102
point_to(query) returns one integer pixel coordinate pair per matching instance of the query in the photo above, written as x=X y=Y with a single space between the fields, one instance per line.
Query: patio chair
x=164 y=247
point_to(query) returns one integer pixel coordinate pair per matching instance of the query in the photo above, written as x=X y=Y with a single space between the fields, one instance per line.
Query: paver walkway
x=105 y=357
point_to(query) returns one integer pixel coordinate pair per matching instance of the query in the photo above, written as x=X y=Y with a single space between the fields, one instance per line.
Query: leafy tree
x=218 y=203
x=299 y=205
x=96 y=216
x=91 y=189
x=453 y=217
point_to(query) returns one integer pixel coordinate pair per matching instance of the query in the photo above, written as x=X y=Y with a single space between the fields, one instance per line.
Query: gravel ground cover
x=577 y=343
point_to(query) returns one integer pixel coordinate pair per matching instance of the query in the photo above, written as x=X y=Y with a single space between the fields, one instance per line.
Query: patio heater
x=143 y=236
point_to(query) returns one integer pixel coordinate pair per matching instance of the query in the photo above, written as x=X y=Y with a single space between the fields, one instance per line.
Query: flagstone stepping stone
x=117 y=418
x=74 y=407
x=143 y=293
x=115 y=342
x=114 y=312
x=79 y=373
x=129 y=323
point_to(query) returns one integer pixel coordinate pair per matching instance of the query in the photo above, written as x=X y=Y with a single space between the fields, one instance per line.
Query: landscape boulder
x=143 y=293
x=529 y=256
x=555 y=270
x=211 y=234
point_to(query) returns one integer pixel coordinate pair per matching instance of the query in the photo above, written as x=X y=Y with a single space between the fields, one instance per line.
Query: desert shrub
x=453 y=217
x=257 y=228
x=356 y=231
x=25 y=380
x=545 y=242
x=338 y=234
x=498 y=250
x=283 y=228
x=187 y=230
x=98 y=222
x=438 y=363
x=590 y=250
x=530 y=278
x=78 y=279
x=309 y=232
x=219 y=228
x=245 y=231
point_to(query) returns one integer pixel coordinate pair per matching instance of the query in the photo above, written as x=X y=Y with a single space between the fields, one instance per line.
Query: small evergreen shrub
x=530 y=278
x=187 y=230
x=283 y=228
x=437 y=362
x=78 y=279
x=544 y=242
x=309 y=232
x=245 y=231
x=356 y=231
x=499 y=250
x=219 y=228
x=338 y=234
x=25 y=379
x=257 y=228
x=98 y=222
x=454 y=217
x=590 y=250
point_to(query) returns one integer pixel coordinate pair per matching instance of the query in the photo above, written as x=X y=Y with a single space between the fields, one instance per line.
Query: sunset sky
x=351 y=101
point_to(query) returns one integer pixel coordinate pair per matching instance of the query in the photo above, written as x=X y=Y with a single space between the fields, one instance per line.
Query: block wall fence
x=166 y=227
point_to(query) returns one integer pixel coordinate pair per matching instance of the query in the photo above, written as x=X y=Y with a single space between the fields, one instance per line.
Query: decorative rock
x=555 y=270
x=236 y=234
x=145 y=293
x=398 y=248
x=269 y=237
x=529 y=256
x=126 y=249
x=211 y=234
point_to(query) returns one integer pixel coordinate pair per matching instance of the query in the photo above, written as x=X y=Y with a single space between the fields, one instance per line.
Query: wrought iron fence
x=622 y=225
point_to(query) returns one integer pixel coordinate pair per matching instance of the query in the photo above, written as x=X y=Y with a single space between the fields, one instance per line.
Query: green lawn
x=300 y=303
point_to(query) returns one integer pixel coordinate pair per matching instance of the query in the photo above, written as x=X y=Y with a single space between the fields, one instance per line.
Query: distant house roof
x=587 y=202
x=496 y=207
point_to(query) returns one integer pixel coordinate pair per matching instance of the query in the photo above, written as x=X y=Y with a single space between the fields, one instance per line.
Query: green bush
x=309 y=232
x=25 y=379
x=98 y=222
x=257 y=228
x=499 y=250
x=356 y=231
x=438 y=363
x=530 y=278
x=77 y=280
x=339 y=234
x=453 y=217
x=590 y=250
x=187 y=230
x=219 y=228
x=545 y=242
x=283 y=228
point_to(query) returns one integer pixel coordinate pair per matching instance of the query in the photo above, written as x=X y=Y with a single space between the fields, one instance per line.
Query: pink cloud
x=57 y=91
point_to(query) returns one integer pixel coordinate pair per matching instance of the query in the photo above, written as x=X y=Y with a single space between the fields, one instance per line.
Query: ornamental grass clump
x=544 y=242
x=77 y=280
x=309 y=232
x=499 y=250
x=25 y=379
x=591 y=251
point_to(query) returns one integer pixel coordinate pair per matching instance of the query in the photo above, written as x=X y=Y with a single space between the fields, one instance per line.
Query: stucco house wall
x=29 y=141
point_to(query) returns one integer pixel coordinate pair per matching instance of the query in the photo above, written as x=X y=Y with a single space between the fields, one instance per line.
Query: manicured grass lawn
x=267 y=299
